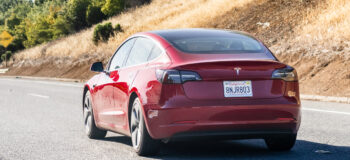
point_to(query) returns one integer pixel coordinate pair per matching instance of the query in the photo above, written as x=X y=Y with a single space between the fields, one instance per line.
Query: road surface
x=43 y=120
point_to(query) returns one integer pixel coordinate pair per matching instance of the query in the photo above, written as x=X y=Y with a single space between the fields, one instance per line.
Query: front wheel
x=90 y=127
x=142 y=142
x=281 y=142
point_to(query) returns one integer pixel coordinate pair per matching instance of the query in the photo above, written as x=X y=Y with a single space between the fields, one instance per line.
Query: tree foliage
x=112 y=7
x=35 y=22
x=102 y=32
x=94 y=15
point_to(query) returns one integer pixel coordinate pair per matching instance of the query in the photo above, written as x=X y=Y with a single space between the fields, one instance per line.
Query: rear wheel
x=141 y=140
x=281 y=142
x=90 y=127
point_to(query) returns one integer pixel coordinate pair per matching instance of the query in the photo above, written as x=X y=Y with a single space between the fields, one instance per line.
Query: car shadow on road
x=250 y=149
x=119 y=139
x=242 y=149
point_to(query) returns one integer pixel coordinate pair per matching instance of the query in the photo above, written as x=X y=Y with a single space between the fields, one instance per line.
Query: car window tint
x=156 y=51
x=140 y=52
x=218 y=45
x=121 y=54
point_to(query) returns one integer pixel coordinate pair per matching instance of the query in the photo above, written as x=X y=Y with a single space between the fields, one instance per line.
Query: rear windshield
x=212 y=44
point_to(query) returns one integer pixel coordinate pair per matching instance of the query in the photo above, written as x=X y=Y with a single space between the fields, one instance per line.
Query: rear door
x=136 y=61
x=108 y=112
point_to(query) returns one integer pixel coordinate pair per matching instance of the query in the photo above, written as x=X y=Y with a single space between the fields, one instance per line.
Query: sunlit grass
x=326 y=26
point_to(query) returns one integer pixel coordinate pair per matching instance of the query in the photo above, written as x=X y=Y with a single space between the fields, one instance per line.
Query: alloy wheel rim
x=136 y=125
x=87 y=115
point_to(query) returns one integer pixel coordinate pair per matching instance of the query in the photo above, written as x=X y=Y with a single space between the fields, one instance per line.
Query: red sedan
x=172 y=84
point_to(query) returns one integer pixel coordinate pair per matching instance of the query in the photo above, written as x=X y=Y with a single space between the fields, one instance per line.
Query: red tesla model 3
x=173 y=84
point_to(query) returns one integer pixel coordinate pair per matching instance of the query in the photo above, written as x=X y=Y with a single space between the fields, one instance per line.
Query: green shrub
x=94 y=15
x=118 y=28
x=102 y=32
x=6 y=56
x=113 y=7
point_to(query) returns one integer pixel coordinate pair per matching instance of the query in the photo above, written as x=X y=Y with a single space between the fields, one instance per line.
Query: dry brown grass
x=160 y=14
x=329 y=21
x=324 y=31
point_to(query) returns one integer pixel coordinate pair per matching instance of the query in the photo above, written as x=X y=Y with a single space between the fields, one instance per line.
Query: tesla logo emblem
x=237 y=69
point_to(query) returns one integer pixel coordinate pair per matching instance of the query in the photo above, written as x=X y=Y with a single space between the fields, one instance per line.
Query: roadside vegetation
x=312 y=35
x=40 y=21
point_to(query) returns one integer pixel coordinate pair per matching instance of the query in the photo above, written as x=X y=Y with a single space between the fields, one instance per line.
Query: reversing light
x=286 y=74
x=175 y=76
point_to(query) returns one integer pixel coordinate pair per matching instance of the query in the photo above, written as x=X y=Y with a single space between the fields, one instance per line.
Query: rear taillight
x=175 y=76
x=286 y=74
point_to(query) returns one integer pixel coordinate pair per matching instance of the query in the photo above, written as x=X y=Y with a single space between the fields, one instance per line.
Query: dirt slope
x=311 y=35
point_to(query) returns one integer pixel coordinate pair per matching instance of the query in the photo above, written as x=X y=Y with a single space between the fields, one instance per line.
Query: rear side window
x=156 y=51
x=140 y=51
x=120 y=55
x=218 y=45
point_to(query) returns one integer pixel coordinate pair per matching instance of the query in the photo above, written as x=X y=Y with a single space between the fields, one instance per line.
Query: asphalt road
x=43 y=120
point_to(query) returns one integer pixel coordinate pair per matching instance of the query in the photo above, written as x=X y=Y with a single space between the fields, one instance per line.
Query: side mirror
x=97 y=67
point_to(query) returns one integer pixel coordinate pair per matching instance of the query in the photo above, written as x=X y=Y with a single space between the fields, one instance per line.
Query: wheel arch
x=86 y=89
x=133 y=95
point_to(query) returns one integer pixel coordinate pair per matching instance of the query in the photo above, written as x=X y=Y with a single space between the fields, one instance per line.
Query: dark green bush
x=94 y=15
x=118 y=28
x=103 y=32
x=77 y=13
x=113 y=7
x=6 y=56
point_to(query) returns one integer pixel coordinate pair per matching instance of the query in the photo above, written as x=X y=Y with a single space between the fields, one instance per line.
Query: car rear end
x=234 y=95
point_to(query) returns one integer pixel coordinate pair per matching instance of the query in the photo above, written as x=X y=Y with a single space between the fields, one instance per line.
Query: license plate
x=238 y=89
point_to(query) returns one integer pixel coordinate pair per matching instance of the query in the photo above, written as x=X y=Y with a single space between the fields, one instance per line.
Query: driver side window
x=119 y=57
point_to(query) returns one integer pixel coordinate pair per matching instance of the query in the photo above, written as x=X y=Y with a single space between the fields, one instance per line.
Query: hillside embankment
x=311 y=35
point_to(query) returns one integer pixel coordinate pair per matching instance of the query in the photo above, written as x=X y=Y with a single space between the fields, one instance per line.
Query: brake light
x=286 y=74
x=175 y=76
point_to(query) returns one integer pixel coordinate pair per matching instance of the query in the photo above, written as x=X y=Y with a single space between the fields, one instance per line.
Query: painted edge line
x=44 y=78
x=38 y=95
x=325 y=98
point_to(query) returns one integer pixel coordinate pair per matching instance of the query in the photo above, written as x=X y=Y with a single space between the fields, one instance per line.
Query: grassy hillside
x=312 y=35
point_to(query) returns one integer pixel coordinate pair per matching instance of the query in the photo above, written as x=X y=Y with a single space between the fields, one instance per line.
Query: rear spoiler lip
x=185 y=63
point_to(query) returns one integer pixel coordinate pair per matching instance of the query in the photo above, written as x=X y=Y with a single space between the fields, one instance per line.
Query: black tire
x=142 y=142
x=90 y=127
x=281 y=142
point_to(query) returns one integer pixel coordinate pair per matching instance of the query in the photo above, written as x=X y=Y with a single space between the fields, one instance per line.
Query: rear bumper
x=237 y=121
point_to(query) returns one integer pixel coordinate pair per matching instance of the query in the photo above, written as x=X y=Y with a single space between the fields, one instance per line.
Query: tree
x=94 y=15
x=113 y=7
x=39 y=2
x=60 y=27
x=40 y=32
x=12 y=21
x=77 y=13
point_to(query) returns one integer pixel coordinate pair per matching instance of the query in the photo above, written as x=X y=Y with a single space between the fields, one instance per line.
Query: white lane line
x=59 y=84
x=43 y=82
x=38 y=95
x=326 y=111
